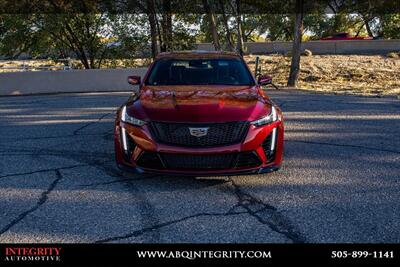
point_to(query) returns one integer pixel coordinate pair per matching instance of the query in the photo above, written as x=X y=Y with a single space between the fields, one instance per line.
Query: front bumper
x=178 y=160
x=140 y=170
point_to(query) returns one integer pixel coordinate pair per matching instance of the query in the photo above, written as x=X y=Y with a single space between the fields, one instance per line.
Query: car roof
x=198 y=54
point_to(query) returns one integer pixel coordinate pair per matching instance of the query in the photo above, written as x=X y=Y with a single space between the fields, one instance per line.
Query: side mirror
x=264 y=80
x=134 y=80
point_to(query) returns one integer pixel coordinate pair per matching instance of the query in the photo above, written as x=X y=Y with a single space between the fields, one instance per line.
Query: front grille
x=218 y=134
x=199 y=162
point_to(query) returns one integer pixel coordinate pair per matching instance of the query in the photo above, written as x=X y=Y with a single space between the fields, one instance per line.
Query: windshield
x=200 y=72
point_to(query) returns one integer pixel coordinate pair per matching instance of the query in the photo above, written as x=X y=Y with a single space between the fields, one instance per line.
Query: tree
x=81 y=34
x=235 y=5
x=224 y=18
x=166 y=23
x=152 y=16
x=390 y=25
x=279 y=27
x=17 y=36
x=168 y=31
x=213 y=25
x=296 y=50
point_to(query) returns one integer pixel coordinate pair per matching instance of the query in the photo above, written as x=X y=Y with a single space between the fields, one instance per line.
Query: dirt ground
x=342 y=74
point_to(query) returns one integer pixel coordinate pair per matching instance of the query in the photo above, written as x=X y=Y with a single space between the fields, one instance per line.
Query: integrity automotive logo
x=31 y=254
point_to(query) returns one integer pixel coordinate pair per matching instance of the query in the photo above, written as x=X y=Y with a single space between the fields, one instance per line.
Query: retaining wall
x=33 y=82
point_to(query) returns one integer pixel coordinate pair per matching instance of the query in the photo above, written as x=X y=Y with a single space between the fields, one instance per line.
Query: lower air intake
x=150 y=160
x=248 y=159
x=199 y=162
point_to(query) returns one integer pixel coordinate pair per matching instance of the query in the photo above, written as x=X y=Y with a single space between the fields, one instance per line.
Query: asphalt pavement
x=340 y=180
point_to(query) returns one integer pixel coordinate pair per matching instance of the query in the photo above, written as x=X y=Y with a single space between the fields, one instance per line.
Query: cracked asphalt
x=340 y=181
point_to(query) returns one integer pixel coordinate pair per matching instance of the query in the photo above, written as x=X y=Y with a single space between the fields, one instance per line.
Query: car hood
x=199 y=104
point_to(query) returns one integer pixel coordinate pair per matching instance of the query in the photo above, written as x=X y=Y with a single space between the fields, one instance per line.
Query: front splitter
x=139 y=170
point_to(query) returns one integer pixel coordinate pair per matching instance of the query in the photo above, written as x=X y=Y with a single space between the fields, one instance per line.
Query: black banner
x=189 y=6
x=198 y=254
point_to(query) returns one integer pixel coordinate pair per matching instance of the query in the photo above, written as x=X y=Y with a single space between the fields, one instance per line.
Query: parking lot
x=340 y=181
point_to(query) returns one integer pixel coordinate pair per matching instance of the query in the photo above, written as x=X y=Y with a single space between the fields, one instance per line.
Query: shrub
x=393 y=55
x=306 y=53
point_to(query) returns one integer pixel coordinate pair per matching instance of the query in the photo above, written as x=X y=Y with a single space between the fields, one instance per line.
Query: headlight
x=128 y=119
x=273 y=116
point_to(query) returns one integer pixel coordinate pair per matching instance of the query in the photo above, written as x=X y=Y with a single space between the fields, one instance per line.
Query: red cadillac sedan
x=199 y=113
